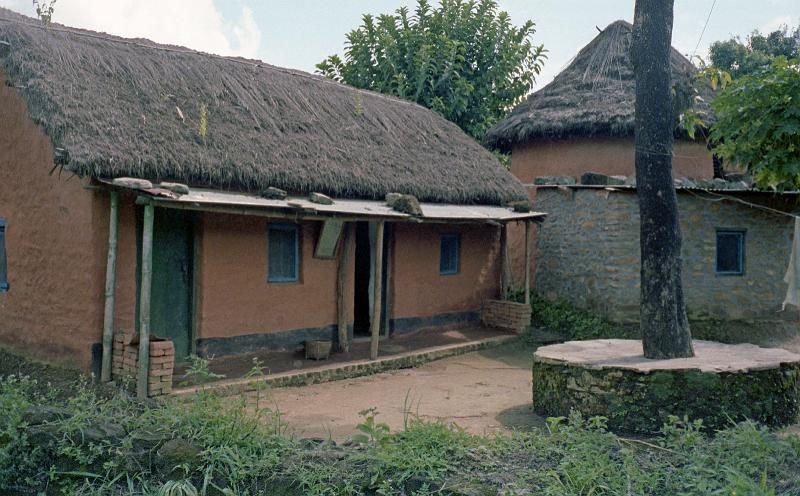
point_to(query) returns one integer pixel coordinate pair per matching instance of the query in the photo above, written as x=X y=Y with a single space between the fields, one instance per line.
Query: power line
x=704 y=29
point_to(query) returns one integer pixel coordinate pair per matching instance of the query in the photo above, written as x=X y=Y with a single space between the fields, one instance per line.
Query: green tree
x=758 y=124
x=463 y=59
x=740 y=58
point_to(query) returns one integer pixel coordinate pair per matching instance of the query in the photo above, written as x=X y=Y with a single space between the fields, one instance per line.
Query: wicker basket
x=318 y=349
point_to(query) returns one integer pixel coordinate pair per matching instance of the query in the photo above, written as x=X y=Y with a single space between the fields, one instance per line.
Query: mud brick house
x=572 y=145
x=144 y=188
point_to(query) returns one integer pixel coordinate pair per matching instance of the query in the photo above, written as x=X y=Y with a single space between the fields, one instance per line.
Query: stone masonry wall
x=588 y=253
x=508 y=315
x=126 y=361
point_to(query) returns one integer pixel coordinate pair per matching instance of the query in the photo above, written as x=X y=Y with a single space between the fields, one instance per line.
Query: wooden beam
x=312 y=214
x=111 y=281
x=342 y=289
x=144 y=302
x=377 y=289
x=527 y=263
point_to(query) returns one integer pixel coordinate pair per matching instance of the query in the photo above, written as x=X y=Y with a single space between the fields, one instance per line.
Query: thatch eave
x=131 y=107
x=594 y=96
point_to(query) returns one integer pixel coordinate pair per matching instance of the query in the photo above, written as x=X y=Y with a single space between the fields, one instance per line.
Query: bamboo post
x=377 y=288
x=111 y=269
x=527 y=262
x=343 y=293
x=504 y=270
x=144 y=302
x=389 y=270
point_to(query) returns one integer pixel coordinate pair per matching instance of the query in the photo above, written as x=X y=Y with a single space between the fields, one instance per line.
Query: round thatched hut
x=583 y=120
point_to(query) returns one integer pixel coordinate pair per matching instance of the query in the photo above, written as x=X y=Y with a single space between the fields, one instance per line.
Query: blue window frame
x=3 y=262
x=730 y=252
x=449 y=254
x=283 y=253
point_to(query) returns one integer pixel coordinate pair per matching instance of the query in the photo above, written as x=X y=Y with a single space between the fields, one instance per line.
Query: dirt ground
x=484 y=392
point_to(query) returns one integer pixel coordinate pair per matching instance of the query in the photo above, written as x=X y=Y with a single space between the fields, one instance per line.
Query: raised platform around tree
x=720 y=384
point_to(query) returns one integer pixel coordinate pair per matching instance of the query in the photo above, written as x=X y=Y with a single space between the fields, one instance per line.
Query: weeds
x=215 y=445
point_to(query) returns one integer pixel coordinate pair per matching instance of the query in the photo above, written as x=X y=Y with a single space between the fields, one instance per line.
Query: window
x=3 y=263
x=450 y=248
x=284 y=253
x=730 y=252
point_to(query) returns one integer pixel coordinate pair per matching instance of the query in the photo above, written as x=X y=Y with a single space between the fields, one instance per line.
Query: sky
x=300 y=33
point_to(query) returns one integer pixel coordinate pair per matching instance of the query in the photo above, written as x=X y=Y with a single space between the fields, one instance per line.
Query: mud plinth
x=721 y=384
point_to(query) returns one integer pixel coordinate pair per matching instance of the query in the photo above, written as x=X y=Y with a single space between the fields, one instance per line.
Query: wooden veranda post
x=377 y=289
x=111 y=268
x=343 y=293
x=527 y=262
x=505 y=277
x=144 y=302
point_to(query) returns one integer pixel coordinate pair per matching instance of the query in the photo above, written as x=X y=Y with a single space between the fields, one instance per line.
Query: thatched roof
x=593 y=96
x=125 y=107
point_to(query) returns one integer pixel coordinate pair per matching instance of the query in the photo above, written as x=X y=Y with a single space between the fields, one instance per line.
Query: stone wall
x=125 y=363
x=507 y=315
x=588 y=253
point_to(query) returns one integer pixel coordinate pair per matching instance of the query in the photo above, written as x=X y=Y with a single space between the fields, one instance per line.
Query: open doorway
x=364 y=273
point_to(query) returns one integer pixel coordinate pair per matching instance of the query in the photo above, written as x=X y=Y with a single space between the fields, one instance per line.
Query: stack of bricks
x=507 y=315
x=125 y=363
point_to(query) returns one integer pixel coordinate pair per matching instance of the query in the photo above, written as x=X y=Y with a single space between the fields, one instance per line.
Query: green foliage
x=200 y=372
x=236 y=454
x=371 y=431
x=560 y=316
x=757 y=51
x=178 y=488
x=463 y=59
x=758 y=124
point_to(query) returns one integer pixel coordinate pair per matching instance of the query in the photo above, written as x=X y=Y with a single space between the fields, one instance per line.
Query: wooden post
x=144 y=302
x=388 y=234
x=377 y=289
x=528 y=262
x=505 y=278
x=111 y=268
x=343 y=293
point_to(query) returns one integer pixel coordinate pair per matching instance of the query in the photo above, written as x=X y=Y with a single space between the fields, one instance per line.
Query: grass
x=109 y=443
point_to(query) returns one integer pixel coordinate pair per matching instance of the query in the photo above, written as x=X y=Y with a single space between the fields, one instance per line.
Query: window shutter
x=283 y=253
x=449 y=254
x=730 y=252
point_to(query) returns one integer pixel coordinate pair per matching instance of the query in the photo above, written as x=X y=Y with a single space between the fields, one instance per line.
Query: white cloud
x=195 y=24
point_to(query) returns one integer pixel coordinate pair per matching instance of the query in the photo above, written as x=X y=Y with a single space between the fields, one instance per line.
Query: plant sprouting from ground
x=44 y=10
x=202 y=129
x=199 y=372
x=372 y=432
x=178 y=488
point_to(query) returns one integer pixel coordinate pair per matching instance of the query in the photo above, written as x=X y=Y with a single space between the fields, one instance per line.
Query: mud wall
x=55 y=238
x=235 y=296
x=614 y=156
x=419 y=290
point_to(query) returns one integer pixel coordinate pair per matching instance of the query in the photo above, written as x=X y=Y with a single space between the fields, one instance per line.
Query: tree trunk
x=664 y=326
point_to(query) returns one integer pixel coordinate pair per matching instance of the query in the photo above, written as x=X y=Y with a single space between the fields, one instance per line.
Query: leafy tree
x=758 y=124
x=740 y=58
x=463 y=59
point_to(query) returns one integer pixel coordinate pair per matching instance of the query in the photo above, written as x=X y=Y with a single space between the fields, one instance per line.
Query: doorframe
x=194 y=301
x=194 y=307
x=386 y=287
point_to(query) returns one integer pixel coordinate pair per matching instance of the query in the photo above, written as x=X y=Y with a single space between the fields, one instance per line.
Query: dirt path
x=484 y=392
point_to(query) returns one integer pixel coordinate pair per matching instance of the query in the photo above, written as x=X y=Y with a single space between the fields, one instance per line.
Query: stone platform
x=720 y=384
